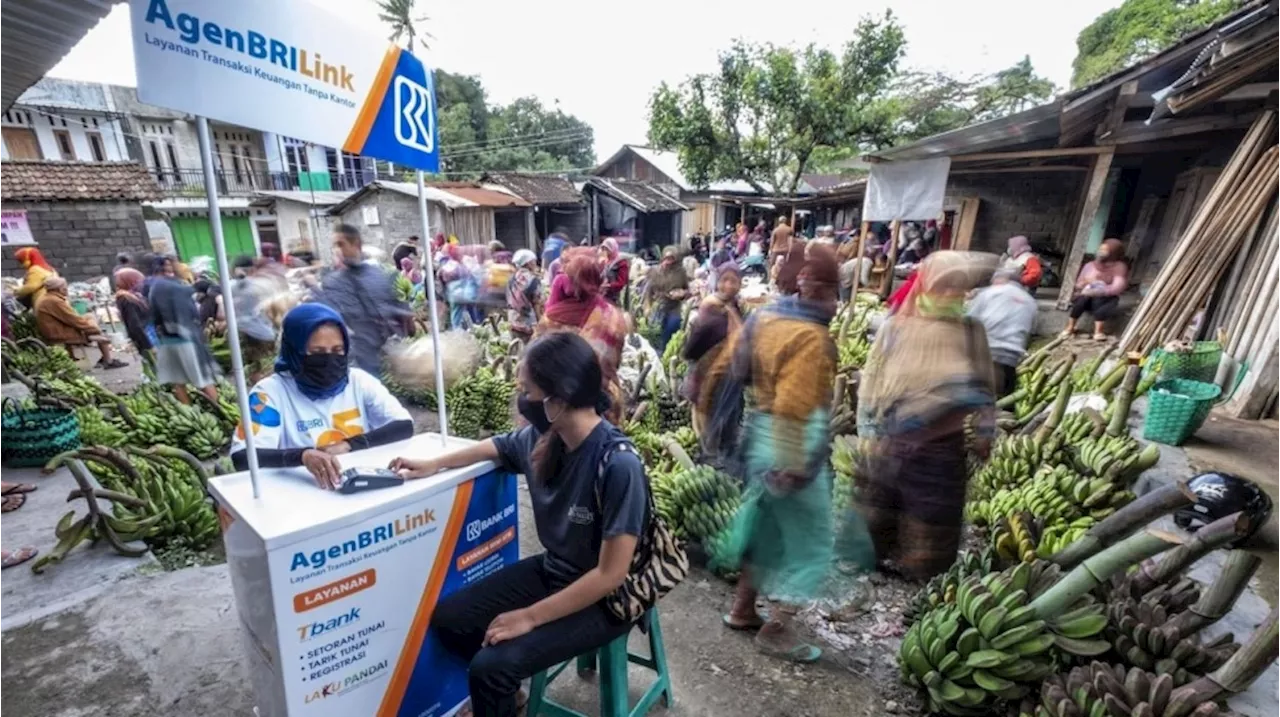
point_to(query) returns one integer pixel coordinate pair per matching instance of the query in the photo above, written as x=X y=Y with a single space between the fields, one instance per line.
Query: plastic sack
x=412 y=363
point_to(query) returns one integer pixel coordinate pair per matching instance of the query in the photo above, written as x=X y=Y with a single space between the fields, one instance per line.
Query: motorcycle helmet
x=1219 y=495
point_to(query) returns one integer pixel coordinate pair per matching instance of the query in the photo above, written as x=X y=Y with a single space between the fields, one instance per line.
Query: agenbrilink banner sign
x=288 y=67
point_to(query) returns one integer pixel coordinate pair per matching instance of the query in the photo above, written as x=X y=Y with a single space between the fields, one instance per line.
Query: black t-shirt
x=577 y=508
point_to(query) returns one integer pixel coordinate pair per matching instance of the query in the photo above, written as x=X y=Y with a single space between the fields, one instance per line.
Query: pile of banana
x=1099 y=690
x=96 y=430
x=845 y=454
x=159 y=418
x=1055 y=495
x=1037 y=386
x=1059 y=535
x=1144 y=636
x=993 y=643
x=499 y=402
x=697 y=503
x=1013 y=462
x=1024 y=537
x=853 y=352
x=96 y=524
x=941 y=589
x=35 y=359
x=1119 y=459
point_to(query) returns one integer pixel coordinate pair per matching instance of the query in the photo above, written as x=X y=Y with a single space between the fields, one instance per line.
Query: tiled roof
x=537 y=188
x=643 y=196
x=482 y=197
x=43 y=181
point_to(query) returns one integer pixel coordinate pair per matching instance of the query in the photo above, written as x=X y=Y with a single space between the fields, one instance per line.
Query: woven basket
x=33 y=436
x=1177 y=408
x=1198 y=364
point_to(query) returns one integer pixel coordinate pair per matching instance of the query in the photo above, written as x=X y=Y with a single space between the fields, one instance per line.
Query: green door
x=193 y=237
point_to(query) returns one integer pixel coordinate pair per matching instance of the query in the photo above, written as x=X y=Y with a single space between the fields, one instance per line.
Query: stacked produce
x=96 y=430
x=1013 y=462
x=32 y=357
x=1055 y=495
x=157 y=417
x=96 y=524
x=941 y=589
x=845 y=455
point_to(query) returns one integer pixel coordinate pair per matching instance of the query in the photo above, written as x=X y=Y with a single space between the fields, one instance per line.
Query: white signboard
x=906 y=190
x=14 y=230
x=289 y=67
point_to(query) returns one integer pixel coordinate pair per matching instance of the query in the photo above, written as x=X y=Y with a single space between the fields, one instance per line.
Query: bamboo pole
x=1124 y=399
x=1260 y=267
x=1263 y=301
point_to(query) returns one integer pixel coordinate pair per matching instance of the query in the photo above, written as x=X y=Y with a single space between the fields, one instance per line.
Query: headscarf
x=610 y=247
x=302 y=321
x=55 y=284
x=523 y=257
x=439 y=241
x=1018 y=245
x=129 y=284
x=942 y=280
x=583 y=279
x=31 y=256
x=410 y=270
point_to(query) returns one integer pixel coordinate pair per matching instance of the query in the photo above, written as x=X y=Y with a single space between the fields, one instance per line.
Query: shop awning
x=36 y=34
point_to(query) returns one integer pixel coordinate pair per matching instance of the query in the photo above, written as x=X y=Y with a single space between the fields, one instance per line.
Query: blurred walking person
x=524 y=295
x=664 y=294
x=929 y=370
x=363 y=293
x=718 y=320
x=1007 y=313
x=617 y=270
x=182 y=356
x=135 y=312
x=783 y=362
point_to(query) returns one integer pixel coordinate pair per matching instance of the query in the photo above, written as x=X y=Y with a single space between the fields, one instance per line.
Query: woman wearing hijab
x=58 y=323
x=617 y=270
x=1026 y=263
x=740 y=239
x=524 y=290
x=581 y=308
x=37 y=272
x=928 y=372
x=135 y=313
x=316 y=407
x=783 y=366
x=459 y=287
x=1098 y=289
x=718 y=320
x=182 y=358
x=208 y=296
x=664 y=293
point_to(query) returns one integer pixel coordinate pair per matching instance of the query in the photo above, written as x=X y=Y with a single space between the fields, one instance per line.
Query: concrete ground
x=161 y=644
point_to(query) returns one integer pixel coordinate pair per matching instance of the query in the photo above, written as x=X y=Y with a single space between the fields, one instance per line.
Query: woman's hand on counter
x=324 y=467
x=410 y=468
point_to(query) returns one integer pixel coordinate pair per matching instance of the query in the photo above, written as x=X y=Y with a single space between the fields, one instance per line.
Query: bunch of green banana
x=221 y=350
x=1037 y=387
x=703 y=501
x=1144 y=636
x=164 y=420
x=1013 y=462
x=674 y=347
x=1117 y=458
x=1099 y=690
x=845 y=453
x=35 y=359
x=1055 y=495
x=991 y=644
x=853 y=351
x=667 y=412
x=1075 y=427
x=24 y=326
x=79 y=389
x=1059 y=535
x=499 y=396
x=941 y=589
x=95 y=430
x=1016 y=537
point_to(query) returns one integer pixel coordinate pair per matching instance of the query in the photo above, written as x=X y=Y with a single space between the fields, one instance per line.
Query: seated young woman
x=316 y=407
x=590 y=503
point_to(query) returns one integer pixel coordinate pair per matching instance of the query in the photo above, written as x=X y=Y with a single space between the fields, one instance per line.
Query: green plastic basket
x=1198 y=364
x=1177 y=408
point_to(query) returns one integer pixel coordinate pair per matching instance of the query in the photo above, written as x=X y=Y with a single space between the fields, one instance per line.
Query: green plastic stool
x=612 y=660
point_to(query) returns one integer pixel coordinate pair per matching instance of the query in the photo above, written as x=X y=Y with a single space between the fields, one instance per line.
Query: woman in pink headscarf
x=617 y=270
x=1025 y=262
x=1098 y=289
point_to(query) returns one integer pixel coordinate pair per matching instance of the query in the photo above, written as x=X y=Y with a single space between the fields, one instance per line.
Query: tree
x=524 y=135
x=769 y=109
x=399 y=15
x=1137 y=30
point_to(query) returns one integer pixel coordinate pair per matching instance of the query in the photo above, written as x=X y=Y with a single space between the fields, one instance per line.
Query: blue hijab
x=299 y=324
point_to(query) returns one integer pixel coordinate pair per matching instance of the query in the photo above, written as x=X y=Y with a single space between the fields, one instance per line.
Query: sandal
x=17 y=557
x=11 y=488
x=802 y=654
x=13 y=502
x=1100 y=337
x=113 y=363
x=742 y=625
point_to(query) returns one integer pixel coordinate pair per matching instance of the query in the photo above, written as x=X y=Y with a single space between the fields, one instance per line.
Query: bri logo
x=365 y=539
x=413 y=115
x=316 y=629
x=477 y=527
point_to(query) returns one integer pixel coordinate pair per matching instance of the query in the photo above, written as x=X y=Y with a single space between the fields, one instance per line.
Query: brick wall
x=81 y=239
x=1036 y=205
x=398 y=219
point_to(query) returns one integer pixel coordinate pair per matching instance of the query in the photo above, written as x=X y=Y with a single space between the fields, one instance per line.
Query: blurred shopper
x=407 y=249
x=58 y=323
x=664 y=294
x=741 y=238
x=781 y=240
x=786 y=273
x=135 y=312
x=928 y=372
x=718 y=320
x=257 y=332
x=783 y=363
x=1098 y=289
x=524 y=295
x=363 y=293
x=1007 y=312
x=1025 y=262
x=182 y=356
x=582 y=309
x=617 y=270
x=37 y=271
x=317 y=406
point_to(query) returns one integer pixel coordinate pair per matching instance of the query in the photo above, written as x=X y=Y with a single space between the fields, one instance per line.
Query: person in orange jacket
x=1022 y=259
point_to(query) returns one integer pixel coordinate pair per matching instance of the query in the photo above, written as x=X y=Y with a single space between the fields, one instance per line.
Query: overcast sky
x=601 y=61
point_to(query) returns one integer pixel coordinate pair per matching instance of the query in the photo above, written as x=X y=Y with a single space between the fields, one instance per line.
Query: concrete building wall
x=1035 y=205
x=45 y=124
x=397 y=218
x=81 y=239
x=297 y=227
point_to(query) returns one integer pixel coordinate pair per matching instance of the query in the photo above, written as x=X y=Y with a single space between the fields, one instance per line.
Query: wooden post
x=886 y=281
x=859 y=251
x=1088 y=212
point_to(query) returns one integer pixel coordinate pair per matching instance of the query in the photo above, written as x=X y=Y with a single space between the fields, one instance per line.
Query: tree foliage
x=1138 y=29
x=769 y=109
x=398 y=14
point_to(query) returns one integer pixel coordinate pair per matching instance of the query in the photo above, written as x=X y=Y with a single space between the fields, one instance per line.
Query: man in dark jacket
x=364 y=294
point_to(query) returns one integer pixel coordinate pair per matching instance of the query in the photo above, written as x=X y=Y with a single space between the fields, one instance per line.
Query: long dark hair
x=564 y=366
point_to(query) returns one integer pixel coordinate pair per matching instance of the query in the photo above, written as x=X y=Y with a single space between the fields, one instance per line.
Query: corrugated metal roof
x=1017 y=130
x=36 y=34
x=537 y=188
x=322 y=198
x=453 y=195
x=481 y=197
x=44 y=181
x=638 y=195
x=669 y=164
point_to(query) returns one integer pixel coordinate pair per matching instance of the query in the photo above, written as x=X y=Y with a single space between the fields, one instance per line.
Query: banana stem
x=1012 y=398
x=1126 y=520
x=1218 y=599
x=1112 y=379
x=1250 y=661
x=1059 y=410
x=1120 y=415
x=1094 y=570
x=1202 y=542
x=677 y=452
x=1042 y=353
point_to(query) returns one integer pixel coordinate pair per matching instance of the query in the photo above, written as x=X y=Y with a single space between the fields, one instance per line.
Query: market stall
x=335 y=592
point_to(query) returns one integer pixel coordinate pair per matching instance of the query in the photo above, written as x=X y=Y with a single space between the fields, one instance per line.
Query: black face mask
x=323 y=370
x=535 y=412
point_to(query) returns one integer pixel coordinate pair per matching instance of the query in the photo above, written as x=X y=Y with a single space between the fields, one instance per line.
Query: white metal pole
x=429 y=277
x=228 y=302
